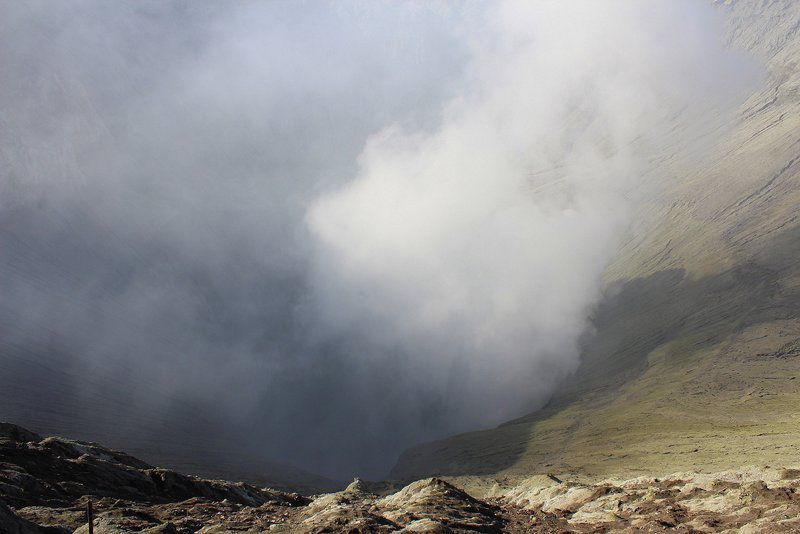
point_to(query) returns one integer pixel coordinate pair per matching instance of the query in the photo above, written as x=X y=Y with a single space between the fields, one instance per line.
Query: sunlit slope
x=694 y=362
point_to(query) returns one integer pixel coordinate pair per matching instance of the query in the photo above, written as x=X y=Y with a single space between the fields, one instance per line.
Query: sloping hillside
x=694 y=356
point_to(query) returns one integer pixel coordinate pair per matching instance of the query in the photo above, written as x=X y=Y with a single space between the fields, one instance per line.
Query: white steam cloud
x=322 y=232
x=476 y=249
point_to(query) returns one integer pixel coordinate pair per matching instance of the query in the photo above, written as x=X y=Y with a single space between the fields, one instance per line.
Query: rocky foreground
x=45 y=484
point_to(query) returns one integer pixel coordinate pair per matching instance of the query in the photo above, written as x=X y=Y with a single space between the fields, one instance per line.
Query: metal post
x=90 y=516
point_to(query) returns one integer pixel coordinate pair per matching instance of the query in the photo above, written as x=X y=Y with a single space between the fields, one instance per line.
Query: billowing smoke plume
x=323 y=232
x=476 y=249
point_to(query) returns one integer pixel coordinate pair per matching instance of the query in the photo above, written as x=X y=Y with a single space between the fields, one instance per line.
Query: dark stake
x=89 y=516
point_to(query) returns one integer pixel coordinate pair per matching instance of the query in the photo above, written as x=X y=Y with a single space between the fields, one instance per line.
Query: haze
x=319 y=233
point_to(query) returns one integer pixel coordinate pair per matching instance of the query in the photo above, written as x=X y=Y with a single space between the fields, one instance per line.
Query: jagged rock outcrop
x=430 y=505
x=11 y=523
x=436 y=502
x=56 y=471
x=47 y=483
x=747 y=500
x=11 y=432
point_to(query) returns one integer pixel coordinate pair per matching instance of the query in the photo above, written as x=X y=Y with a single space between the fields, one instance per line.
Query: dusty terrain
x=45 y=484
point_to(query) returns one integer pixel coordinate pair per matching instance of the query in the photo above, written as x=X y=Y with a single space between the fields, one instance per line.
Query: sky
x=321 y=232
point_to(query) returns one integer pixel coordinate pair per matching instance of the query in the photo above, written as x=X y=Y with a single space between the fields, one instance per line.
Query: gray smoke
x=323 y=232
